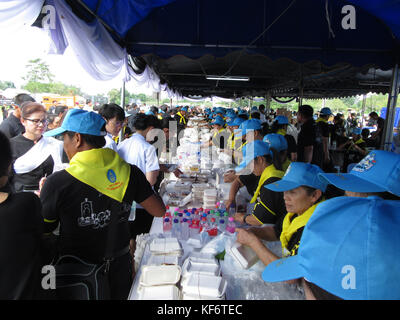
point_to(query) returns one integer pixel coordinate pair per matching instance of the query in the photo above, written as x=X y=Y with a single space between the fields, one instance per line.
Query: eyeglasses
x=37 y=121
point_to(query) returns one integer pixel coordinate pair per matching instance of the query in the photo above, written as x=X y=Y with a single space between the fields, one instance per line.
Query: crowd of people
x=78 y=190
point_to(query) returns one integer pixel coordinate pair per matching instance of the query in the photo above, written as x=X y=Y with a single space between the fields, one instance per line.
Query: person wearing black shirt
x=93 y=198
x=321 y=156
x=21 y=227
x=303 y=192
x=12 y=126
x=269 y=205
x=306 y=139
x=380 y=123
x=34 y=156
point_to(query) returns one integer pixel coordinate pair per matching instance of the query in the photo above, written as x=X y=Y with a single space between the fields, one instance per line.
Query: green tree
x=6 y=84
x=38 y=71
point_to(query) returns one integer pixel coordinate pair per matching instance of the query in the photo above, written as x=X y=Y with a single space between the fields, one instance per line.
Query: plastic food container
x=204 y=286
x=244 y=255
x=163 y=259
x=160 y=275
x=165 y=246
x=169 y=292
x=202 y=257
x=190 y=267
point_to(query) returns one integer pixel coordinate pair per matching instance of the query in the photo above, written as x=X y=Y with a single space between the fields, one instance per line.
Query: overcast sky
x=30 y=43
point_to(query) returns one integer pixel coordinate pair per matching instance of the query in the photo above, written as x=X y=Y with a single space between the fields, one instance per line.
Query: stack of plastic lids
x=201 y=278
x=159 y=283
x=209 y=198
x=166 y=246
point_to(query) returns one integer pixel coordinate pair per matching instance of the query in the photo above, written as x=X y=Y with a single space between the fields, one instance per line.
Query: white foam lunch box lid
x=210 y=192
x=158 y=260
x=202 y=257
x=244 y=255
x=160 y=275
x=197 y=297
x=204 y=285
x=168 y=292
x=165 y=245
x=190 y=266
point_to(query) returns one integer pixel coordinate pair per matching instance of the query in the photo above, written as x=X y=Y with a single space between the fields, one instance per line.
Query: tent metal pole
x=387 y=135
x=364 y=103
x=121 y=133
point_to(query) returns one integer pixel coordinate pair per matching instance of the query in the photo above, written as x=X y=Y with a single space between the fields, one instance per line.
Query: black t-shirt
x=380 y=123
x=12 y=126
x=30 y=180
x=85 y=214
x=271 y=206
x=250 y=181
x=306 y=138
x=292 y=147
x=21 y=229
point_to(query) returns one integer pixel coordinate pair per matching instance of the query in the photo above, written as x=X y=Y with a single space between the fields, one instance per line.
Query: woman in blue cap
x=269 y=206
x=278 y=144
x=280 y=126
x=302 y=191
x=220 y=136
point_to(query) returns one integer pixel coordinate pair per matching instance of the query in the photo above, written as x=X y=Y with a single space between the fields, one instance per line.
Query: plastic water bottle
x=180 y=215
x=213 y=228
x=232 y=210
x=185 y=229
x=187 y=216
x=226 y=217
x=221 y=225
x=176 y=228
x=194 y=228
x=231 y=226
x=222 y=206
x=203 y=224
x=167 y=225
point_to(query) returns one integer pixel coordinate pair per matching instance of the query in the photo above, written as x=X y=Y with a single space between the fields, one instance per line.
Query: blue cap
x=251 y=151
x=243 y=112
x=80 y=121
x=325 y=111
x=184 y=109
x=249 y=126
x=236 y=122
x=348 y=249
x=356 y=130
x=220 y=110
x=218 y=120
x=299 y=174
x=379 y=171
x=276 y=141
x=282 y=119
x=149 y=113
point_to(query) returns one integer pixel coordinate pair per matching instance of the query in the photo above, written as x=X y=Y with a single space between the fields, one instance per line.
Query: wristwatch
x=244 y=218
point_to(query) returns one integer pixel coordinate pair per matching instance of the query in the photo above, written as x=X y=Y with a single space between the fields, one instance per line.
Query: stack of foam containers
x=160 y=283
x=201 y=278
x=209 y=198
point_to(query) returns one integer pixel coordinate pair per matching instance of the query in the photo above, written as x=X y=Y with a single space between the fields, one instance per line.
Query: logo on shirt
x=90 y=218
x=365 y=164
x=111 y=176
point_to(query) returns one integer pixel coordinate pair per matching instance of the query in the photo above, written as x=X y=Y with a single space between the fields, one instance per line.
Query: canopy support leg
x=387 y=136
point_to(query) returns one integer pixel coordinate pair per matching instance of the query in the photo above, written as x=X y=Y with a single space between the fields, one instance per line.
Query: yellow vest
x=182 y=118
x=268 y=172
x=290 y=227
x=102 y=169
